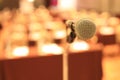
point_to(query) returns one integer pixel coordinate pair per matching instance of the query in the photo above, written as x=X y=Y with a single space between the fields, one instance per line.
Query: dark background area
x=11 y=4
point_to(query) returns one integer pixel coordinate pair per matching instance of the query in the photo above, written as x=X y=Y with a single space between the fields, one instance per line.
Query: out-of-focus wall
x=112 y=6
x=115 y=6
x=88 y=4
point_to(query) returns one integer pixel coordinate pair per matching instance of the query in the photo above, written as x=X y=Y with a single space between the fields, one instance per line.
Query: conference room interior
x=34 y=46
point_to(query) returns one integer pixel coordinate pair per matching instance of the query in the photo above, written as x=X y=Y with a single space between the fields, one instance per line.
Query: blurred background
x=37 y=28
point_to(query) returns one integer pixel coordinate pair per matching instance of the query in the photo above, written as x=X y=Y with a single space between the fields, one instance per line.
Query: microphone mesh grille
x=85 y=29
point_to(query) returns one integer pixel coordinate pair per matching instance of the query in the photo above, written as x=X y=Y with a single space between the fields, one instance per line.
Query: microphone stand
x=69 y=39
x=65 y=63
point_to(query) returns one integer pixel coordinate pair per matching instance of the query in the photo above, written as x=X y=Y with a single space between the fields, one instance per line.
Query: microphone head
x=85 y=29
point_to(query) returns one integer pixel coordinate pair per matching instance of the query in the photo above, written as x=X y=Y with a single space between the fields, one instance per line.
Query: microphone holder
x=72 y=35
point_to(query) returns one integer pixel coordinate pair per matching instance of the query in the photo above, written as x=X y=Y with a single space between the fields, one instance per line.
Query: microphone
x=83 y=28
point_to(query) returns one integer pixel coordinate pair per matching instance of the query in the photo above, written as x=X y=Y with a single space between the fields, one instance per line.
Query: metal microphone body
x=85 y=29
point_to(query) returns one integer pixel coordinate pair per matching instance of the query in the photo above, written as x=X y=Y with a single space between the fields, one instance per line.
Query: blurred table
x=82 y=66
x=85 y=65
x=107 y=39
x=1 y=71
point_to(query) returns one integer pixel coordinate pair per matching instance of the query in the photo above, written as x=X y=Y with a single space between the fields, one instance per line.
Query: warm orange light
x=106 y=30
x=20 y=51
x=78 y=46
x=51 y=49
x=30 y=0
x=26 y=6
x=60 y=34
x=66 y=4
x=113 y=21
